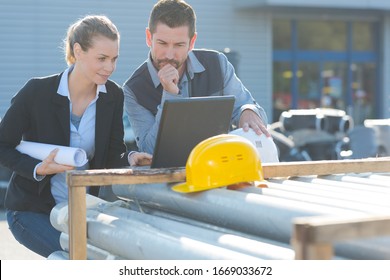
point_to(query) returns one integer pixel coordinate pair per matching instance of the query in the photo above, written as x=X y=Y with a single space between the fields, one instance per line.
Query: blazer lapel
x=61 y=107
x=104 y=113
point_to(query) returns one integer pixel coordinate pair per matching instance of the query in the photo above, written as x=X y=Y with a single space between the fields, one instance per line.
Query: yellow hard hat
x=220 y=161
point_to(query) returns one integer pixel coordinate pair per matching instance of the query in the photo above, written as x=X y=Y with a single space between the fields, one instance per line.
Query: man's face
x=169 y=45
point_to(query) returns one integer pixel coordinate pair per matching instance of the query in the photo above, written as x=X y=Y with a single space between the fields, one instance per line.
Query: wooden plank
x=99 y=177
x=270 y=170
x=317 y=251
x=313 y=237
x=331 y=229
x=77 y=223
x=326 y=167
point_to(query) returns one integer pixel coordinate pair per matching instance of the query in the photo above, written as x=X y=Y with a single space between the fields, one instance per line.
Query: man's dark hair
x=173 y=13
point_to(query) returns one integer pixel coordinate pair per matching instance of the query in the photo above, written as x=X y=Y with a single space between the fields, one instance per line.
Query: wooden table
x=307 y=230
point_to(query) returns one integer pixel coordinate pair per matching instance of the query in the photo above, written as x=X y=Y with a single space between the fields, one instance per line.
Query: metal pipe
x=136 y=240
x=235 y=210
x=135 y=235
x=360 y=180
x=238 y=210
x=217 y=236
x=160 y=213
x=326 y=182
x=93 y=252
x=337 y=202
x=59 y=214
x=58 y=256
x=330 y=191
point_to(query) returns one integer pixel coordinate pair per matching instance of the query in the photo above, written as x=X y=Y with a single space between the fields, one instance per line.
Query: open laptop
x=185 y=123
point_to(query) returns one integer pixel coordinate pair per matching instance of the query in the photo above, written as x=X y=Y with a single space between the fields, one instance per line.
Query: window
x=363 y=36
x=318 y=63
x=281 y=31
x=282 y=75
x=322 y=35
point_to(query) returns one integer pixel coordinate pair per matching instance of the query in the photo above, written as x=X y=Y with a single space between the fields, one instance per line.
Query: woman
x=79 y=108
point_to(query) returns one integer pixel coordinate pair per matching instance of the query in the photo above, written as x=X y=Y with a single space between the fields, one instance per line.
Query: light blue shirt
x=81 y=137
x=145 y=124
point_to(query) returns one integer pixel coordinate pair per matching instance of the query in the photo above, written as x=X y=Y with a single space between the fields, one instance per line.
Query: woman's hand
x=49 y=166
x=139 y=158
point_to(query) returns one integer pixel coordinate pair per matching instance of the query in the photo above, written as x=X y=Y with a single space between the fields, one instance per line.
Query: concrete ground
x=10 y=249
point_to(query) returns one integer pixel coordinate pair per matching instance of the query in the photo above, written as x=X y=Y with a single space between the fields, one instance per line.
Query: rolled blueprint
x=66 y=155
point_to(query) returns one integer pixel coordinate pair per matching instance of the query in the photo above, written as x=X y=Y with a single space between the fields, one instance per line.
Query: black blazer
x=38 y=113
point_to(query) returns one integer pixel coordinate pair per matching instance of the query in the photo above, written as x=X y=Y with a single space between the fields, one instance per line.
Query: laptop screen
x=185 y=123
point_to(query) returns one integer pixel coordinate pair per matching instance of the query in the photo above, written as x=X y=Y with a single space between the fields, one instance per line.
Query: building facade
x=290 y=54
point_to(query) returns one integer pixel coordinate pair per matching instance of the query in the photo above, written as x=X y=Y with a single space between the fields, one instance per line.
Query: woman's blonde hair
x=84 y=30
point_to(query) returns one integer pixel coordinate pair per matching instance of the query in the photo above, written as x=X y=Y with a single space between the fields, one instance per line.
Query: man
x=175 y=70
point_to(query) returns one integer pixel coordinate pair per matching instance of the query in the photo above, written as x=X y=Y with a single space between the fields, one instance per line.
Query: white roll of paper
x=66 y=155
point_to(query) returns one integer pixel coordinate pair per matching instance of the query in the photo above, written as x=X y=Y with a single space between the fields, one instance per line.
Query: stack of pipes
x=115 y=231
x=153 y=222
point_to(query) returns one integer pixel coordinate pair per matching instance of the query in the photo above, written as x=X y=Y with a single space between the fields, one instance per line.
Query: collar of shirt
x=193 y=66
x=63 y=88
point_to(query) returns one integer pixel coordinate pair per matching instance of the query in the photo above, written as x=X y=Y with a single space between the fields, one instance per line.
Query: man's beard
x=162 y=62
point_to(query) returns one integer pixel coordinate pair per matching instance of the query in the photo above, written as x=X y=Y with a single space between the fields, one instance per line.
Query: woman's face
x=99 y=61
